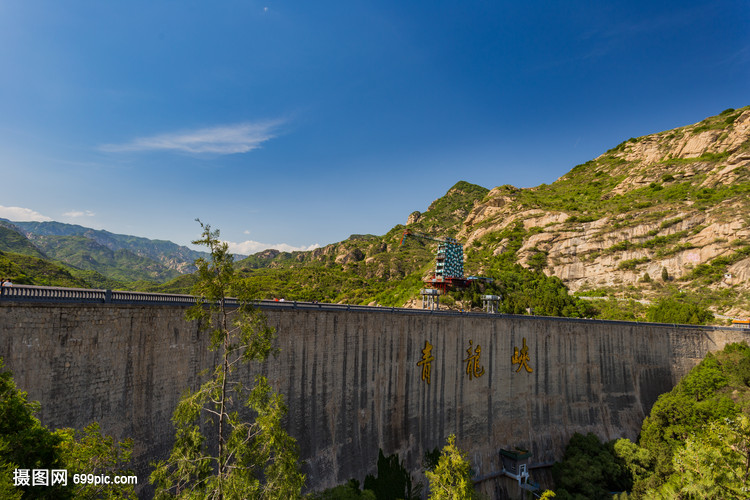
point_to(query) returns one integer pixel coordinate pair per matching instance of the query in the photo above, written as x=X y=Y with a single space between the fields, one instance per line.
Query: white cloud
x=78 y=213
x=250 y=247
x=20 y=214
x=226 y=139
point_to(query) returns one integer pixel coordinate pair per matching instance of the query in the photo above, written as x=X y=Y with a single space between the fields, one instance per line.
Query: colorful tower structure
x=449 y=259
x=449 y=263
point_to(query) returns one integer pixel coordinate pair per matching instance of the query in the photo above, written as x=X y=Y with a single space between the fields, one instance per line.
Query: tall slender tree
x=256 y=458
x=451 y=478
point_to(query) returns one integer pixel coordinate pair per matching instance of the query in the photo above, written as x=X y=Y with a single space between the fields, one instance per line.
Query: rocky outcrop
x=354 y=255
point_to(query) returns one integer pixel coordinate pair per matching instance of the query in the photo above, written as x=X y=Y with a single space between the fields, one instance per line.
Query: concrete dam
x=356 y=379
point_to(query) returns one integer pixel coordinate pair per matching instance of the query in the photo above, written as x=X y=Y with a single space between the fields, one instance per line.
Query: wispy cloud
x=250 y=247
x=224 y=140
x=78 y=213
x=22 y=214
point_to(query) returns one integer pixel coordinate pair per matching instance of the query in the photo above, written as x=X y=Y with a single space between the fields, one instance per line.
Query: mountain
x=168 y=254
x=95 y=258
x=662 y=219
x=670 y=209
x=657 y=216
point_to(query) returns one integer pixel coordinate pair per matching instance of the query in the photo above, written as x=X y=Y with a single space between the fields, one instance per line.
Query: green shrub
x=631 y=264
x=673 y=310
x=393 y=481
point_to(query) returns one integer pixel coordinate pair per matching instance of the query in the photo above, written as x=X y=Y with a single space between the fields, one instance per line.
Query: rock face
x=354 y=255
x=674 y=200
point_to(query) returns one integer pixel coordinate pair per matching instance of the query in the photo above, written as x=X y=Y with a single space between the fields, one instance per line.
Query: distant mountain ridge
x=170 y=255
x=98 y=257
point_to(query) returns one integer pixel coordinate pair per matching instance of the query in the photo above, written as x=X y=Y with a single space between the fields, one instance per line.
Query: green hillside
x=29 y=270
x=13 y=241
x=86 y=254
x=99 y=258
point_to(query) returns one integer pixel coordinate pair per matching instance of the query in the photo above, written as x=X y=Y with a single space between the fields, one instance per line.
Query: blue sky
x=294 y=124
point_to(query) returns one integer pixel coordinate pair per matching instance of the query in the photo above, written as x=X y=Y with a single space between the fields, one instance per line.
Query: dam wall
x=361 y=379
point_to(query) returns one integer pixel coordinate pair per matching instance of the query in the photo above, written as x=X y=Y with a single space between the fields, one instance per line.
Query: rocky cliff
x=668 y=208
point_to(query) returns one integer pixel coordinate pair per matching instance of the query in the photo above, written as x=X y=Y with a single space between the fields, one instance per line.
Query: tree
x=714 y=463
x=589 y=469
x=244 y=457
x=393 y=480
x=451 y=479
x=94 y=453
x=678 y=421
x=673 y=310
x=637 y=460
x=25 y=444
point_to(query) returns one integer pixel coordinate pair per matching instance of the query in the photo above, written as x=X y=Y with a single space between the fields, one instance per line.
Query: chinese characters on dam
x=474 y=368
x=522 y=359
x=426 y=361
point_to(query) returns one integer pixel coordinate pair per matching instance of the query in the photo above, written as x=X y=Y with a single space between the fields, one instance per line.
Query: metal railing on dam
x=52 y=294
x=30 y=293
x=33 y=293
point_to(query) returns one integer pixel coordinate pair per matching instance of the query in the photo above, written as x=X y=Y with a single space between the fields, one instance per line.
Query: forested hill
x=168 y=254
x=87 y=257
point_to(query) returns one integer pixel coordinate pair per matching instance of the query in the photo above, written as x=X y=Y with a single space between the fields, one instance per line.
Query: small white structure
x=490 y=303
x=430 y=298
